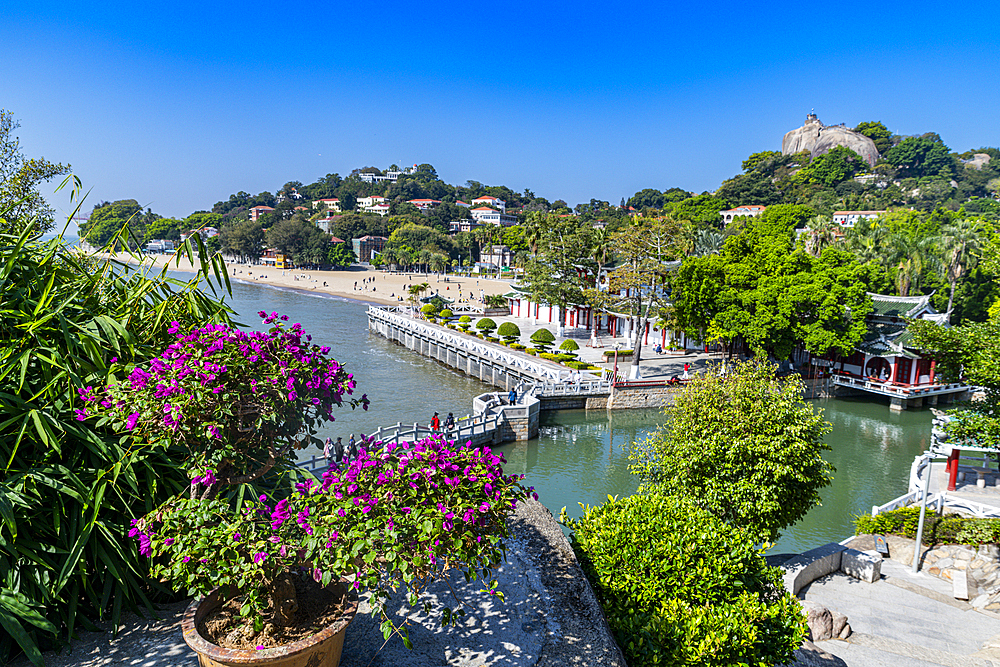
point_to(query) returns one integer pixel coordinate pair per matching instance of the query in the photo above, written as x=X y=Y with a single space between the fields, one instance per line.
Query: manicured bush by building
x=464 y=322
x=445 y=314
x=569 y=345
x=681 y=587
x=516 y=346
x=581 y=366
x=621 y=354
x=948 y=529
x=542 y=339
x=509 y=332
x=486 y=325
x=428 y=310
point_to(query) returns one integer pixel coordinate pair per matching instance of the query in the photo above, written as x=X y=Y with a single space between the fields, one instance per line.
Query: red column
x=664 y=343
x=952 y=468
x=895 y=370
x=932 y=370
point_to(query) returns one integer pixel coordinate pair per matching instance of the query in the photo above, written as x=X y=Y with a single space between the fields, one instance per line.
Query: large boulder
x=818 y=139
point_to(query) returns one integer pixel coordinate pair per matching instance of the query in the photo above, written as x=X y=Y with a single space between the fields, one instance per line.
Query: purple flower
x=132 y=420
x=185 y=559
x=292 y=396
x=167 y=542
x=259 y=557
x=236 y=537
x=279 y=514
x=81 y=415
x=144 y=545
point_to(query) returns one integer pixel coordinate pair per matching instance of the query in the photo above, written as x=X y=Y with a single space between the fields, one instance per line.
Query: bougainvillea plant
x=396 y=517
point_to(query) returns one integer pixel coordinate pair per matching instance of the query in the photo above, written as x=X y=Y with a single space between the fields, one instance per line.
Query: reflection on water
x=580 y=456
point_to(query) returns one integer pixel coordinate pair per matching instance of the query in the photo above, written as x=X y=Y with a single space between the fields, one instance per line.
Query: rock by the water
x=818 y=139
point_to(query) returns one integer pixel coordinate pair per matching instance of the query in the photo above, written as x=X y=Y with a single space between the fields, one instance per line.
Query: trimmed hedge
x=517 y=346
x=581 y=366
x=569 y=345
x=948 y=529
x=445 y=313
x=486 y=325
x=542 y=339
x=621 y=353
x=681 y=587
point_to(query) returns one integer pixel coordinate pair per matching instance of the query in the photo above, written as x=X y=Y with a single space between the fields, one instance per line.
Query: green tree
x=878 y=133
x=108 y=219
x=341 y=254
x=959 y=243
x=165 y=228
x=244 y=240
x=299 y=239
x=758 y=160
x=640 y=282
x=554 y=276
x=742 y=445
x=922 y=156
x=832 y=168
x=19 y=181
x=762 y=290
x=700 y=209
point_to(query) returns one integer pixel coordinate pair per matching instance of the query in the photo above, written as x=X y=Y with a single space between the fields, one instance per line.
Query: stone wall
x=980 y=565
x=624 y=398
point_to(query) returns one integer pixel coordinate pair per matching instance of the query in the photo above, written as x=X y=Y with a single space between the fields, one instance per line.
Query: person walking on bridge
x=435 y=422
x=449 y=422
x=512 y=397
x=338 y=450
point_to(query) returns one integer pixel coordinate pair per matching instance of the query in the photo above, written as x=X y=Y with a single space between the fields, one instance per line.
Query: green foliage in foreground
x=68 y=492
x=486 y=325
x=949 y=529
x=744 y=446
x=680 y=587
x=542 y=339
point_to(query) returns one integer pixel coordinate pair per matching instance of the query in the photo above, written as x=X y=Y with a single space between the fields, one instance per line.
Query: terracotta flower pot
x=319 y=650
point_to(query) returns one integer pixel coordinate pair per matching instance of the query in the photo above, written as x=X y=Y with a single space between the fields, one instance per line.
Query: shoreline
x=358 y=283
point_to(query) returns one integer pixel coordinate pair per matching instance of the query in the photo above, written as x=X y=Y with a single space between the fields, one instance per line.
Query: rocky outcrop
x=818 y=139
x=978 y=161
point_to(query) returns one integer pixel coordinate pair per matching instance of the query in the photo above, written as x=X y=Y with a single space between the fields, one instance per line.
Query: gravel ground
x=550 y=618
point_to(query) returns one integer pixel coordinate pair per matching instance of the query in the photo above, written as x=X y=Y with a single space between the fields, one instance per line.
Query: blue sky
x=180 y=104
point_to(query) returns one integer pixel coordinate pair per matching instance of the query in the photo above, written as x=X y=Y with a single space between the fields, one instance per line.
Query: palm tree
x=959 y=242
x=424 y=258
x=820 y=233
x=707 y=242
x=439 y=262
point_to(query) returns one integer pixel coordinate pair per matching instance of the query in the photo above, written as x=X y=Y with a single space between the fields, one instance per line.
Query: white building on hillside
x=488 y=216
x=850 y=218
x=741 y=211
x=491 y=201
x=332 y=204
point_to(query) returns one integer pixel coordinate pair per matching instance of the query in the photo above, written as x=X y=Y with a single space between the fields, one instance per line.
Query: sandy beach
x=358 y=282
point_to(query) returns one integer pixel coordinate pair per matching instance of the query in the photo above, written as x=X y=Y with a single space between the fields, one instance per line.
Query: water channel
x=581 y=457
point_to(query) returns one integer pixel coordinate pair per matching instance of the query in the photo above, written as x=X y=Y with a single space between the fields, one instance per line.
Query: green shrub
x=509 y=332
x=486 y=325
x=531 y=352
x=563 y=358
x=621 y=353
x=681 y=587
x=516 y=346
x=464 y=319
x=569 y=345
x=542 y=339
x=492 y=339
x=948 y=529
x=451 y=326
x=428 y=309
x=549 y=356
x=581 y=366
x=445 y=314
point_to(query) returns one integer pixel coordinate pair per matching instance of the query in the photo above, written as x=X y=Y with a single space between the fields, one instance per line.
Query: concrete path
x=906 y=620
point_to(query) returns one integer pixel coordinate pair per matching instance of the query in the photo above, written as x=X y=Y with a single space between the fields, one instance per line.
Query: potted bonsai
x=509 y=332
x=238 y=405
x=542 y=339
x=486 y=326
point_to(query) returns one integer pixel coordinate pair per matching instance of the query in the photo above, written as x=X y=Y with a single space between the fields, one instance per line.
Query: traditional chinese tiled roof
x=898 y=306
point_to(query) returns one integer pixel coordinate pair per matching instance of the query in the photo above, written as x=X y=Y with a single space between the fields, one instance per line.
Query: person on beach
x=449 y=422
x=327 y=446
x=435 y=422
x=338 y=450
